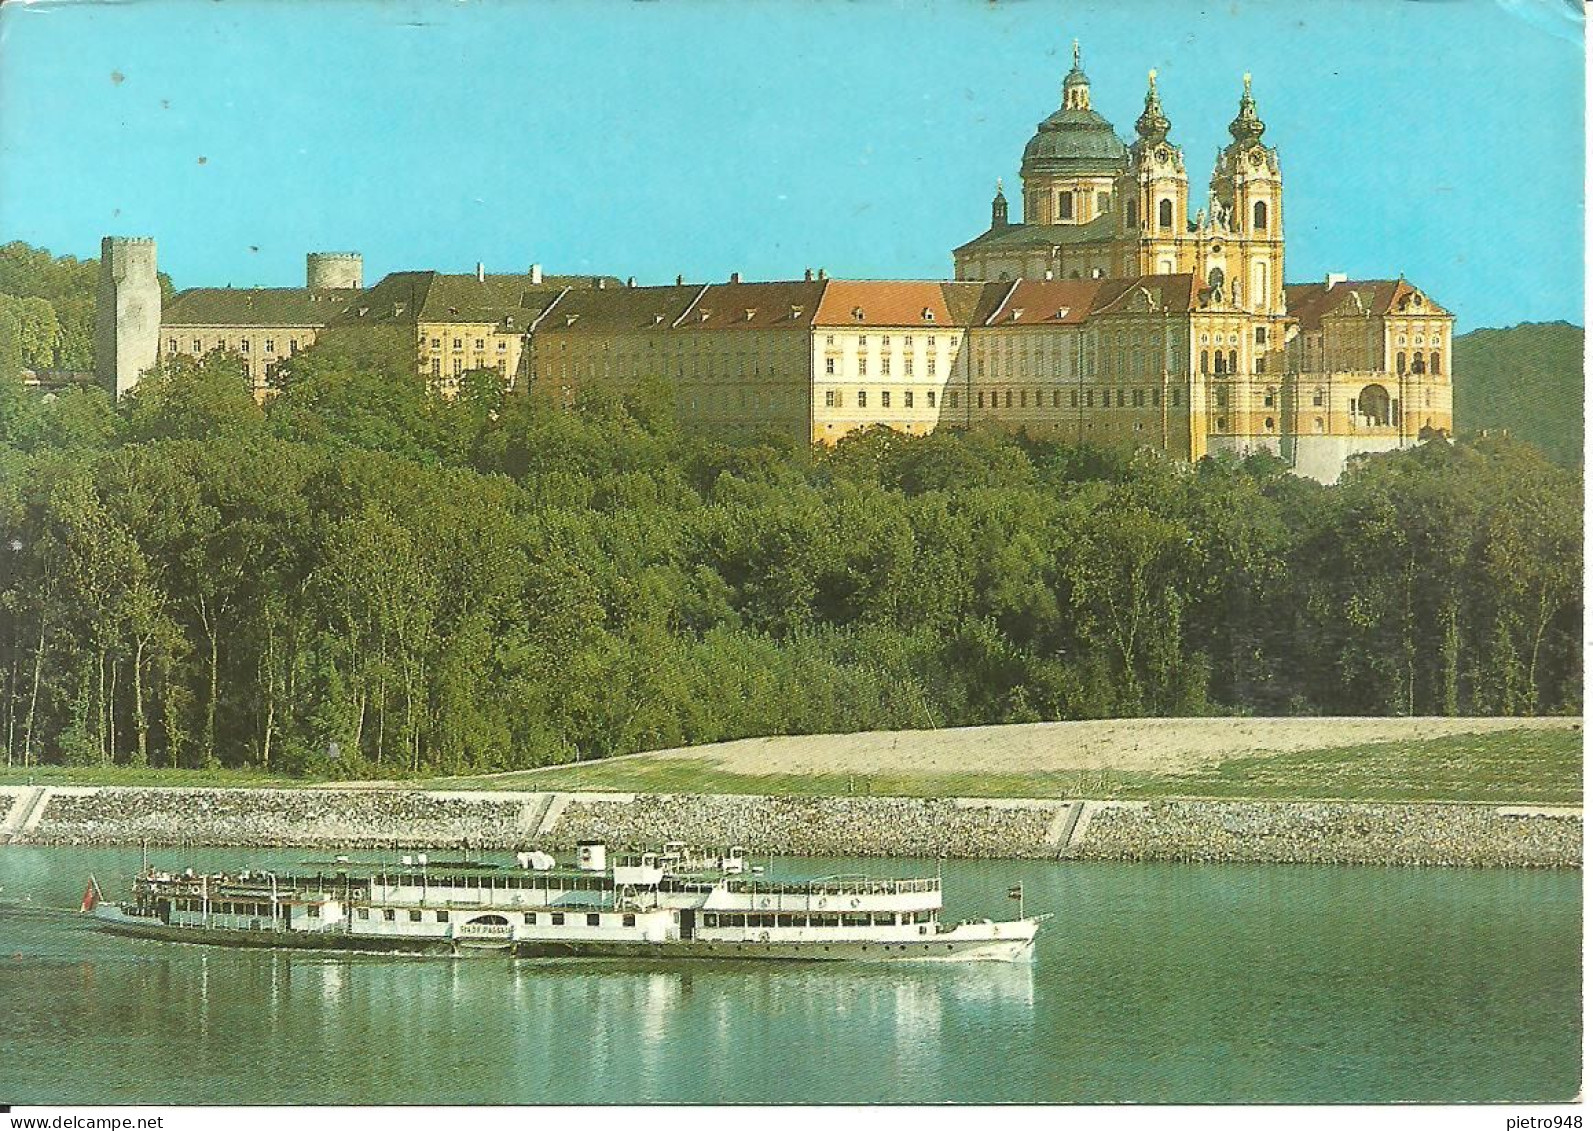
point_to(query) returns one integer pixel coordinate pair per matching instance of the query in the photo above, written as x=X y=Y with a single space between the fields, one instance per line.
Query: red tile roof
x=887 y=303
x=1311 y=302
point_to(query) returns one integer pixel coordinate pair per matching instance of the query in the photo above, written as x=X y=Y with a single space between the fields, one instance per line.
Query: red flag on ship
x=91 y=897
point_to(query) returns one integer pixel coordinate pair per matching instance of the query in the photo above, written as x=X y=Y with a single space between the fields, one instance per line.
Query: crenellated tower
x=1153 y=195
x=127 y=313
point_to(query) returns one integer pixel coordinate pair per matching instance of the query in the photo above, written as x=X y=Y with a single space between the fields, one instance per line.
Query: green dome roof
x=1074 y=142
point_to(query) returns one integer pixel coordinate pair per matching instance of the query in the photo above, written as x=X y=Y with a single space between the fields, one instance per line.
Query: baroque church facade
x=1314 y=373
x=1107 y=316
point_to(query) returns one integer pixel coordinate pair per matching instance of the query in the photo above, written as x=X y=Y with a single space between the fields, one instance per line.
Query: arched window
x=1418 y=364
x=1205 y=361
x=1260 y=224
x=1222 y=364
x=1165 y=214
x=1233 y=361
x=1214 y=280
x=1133 y=215
x=1064 y=205
x=1399 y=362
x=1435 y=366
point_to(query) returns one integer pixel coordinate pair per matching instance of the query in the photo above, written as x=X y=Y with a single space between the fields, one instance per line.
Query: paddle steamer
x=666 y=904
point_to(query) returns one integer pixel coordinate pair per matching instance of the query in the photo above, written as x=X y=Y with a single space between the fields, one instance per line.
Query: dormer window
x=796 y=312
x=929 y=315
x=1062 y=311
x=364 y=310
x=857 y=314
x=750 y=313
x=569 y=319
x=657 y=318
x=1017 y=313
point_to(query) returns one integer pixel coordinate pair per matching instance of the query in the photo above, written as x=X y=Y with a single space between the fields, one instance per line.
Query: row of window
x=884 y=367
x=249 y=910
x=1418 y=365
x=481 y=344
x=931 y=340
x=458 y=366
x=817 y=919
x=198 y=349
x=833 y=398
x=1076 y=398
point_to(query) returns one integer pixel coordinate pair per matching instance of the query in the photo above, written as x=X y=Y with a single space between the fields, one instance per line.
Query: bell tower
x=1247 y=214
x=1153 y=215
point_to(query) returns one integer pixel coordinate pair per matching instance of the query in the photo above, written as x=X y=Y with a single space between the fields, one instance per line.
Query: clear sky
x=1439 y=138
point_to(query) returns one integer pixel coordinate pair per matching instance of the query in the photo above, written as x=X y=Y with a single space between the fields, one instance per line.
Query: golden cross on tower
x=1075 y=54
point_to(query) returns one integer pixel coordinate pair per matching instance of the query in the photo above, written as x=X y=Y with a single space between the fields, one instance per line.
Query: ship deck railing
x=286 y=885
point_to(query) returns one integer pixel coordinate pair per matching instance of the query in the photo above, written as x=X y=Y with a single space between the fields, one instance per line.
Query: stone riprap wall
x=1213 y=831
x=818 y=826
x=270 y=817
x=1330 y=833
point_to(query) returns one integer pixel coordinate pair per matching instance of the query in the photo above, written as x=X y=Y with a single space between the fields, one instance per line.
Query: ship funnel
x=591 y=856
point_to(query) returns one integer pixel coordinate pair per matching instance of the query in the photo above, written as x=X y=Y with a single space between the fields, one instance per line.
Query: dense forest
x=1526 y=380
x=188 y=579
x=362 y=579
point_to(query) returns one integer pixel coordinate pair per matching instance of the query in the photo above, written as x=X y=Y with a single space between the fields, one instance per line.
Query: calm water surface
x=1155 y=983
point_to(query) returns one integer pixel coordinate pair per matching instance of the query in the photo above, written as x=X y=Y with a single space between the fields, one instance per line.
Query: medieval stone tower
x=334 y=270
x=127 y=313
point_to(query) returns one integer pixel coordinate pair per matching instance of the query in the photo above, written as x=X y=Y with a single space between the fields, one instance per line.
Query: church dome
x=1075 y=141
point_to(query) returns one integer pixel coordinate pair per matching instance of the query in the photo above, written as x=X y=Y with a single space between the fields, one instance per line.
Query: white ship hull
x=639 y=909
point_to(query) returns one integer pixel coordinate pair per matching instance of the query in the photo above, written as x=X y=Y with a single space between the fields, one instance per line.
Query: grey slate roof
x=1023 y=237
x=255 y=306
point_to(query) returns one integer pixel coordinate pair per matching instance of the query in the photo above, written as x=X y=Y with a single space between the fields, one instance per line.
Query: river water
x=1154 y=983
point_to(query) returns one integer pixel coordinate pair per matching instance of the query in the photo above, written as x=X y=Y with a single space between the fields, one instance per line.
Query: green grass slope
x=1527 y=380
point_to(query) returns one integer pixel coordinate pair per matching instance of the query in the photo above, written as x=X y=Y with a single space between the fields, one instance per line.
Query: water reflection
x=1158 y=983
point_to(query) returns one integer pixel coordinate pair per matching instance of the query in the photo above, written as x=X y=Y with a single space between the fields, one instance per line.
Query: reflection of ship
x=648 y=905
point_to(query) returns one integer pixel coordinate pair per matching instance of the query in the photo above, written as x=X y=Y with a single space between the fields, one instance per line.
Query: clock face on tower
x=1164 y=155
x=1255 y=158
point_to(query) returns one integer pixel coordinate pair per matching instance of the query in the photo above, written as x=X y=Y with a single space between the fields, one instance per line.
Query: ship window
x=785 y=921
x=389 y=914
x=855 y=919
x=710 y=920
x=312 y=910
x=558 y=918
x=364 y=913
x=531 y=918
x=593 y=920
x=442 y=916
x=414 y=915
x=628 y=920
x=884 y=919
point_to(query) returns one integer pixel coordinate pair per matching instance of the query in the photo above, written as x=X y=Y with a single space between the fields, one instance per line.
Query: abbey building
x=1107 y=314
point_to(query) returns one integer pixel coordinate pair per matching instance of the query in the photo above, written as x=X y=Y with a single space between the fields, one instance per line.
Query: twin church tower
x=1095 y=208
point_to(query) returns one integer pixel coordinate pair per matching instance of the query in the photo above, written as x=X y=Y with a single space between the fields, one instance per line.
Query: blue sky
x=709 y=136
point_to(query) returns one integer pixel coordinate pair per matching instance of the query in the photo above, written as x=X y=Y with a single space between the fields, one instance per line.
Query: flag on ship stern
x=91 y=897
x=1015 y=892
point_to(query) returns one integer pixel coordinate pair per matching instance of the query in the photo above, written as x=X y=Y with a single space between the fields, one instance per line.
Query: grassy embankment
x=1540 y=766
x=1510 y=767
